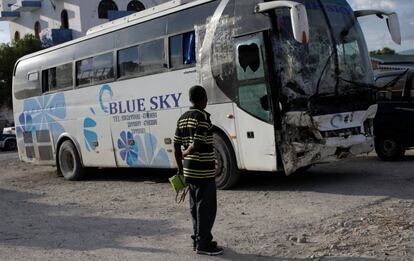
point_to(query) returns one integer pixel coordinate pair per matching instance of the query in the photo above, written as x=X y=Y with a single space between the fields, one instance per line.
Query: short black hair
x=197 y=94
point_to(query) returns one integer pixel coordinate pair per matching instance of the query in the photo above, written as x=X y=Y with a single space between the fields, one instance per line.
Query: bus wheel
x=389 y=148
x=10 y=145
x=69 y=164
x=227 y=173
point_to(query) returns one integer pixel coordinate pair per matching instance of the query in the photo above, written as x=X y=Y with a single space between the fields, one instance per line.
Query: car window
x=394 y=92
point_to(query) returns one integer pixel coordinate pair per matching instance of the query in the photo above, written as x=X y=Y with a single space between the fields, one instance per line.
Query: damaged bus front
x=301 y=66
x=326 y=101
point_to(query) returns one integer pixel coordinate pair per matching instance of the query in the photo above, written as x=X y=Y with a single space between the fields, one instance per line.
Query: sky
x=375 y=29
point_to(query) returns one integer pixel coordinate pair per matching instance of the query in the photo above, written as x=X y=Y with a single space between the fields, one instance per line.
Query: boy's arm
x=177 y=151
x=178 y=157
x=199 y=138
x=194 y=147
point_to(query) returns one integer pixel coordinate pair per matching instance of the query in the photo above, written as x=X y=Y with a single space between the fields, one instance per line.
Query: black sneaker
x=210 y=250
x=212 y=243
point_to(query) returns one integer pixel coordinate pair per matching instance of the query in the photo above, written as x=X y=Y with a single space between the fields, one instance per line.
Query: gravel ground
x=358 y=209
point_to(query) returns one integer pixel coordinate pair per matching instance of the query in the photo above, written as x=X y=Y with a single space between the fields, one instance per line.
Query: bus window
x=83 y=71
x=176 y=51
x=33 y=77
x=103 y=67
x=251 y=78
x=182 y=50
x=56 y=78
x=189 y=48
x=95 y=70
x=152 y=57
x=128 y=62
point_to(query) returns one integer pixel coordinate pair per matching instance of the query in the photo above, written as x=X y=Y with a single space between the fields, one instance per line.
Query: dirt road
x=359 y=209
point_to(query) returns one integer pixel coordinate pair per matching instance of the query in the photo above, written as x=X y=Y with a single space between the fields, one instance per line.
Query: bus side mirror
x=298 y=15
x=392 y=22
x=394 y=27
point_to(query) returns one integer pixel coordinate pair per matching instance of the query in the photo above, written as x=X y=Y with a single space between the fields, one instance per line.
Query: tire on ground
x=10 y=145
x=226 y=166
x=69 y=164
x=389 y=148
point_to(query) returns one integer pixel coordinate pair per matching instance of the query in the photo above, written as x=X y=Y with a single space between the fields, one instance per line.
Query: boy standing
x=195 y=133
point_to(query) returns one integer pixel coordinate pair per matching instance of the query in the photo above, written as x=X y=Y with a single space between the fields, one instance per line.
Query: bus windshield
x=334 y=62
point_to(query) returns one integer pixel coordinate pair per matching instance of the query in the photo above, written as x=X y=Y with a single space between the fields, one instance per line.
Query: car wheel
x=389 y=148
x=10 y=145
x=69 y=164
x=227 y=173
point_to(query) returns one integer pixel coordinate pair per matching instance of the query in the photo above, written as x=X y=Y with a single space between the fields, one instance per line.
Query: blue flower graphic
x=148 y=152
x=127 y=148
x=90 y=136
x=46 y=111
x=25 y=124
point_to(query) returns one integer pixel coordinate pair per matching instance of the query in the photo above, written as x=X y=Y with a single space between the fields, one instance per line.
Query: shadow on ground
x=230 y=254
x=363 y=176
x=25 y=223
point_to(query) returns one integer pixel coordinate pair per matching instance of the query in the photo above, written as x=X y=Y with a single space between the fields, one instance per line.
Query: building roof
x=393 y=59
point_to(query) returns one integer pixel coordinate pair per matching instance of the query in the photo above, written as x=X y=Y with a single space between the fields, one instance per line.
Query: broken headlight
x=369 y=127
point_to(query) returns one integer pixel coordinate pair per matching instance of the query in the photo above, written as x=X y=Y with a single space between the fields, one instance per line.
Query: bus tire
x=389 y=148
x=227 y=173
x=10 y=145
x=69 y=164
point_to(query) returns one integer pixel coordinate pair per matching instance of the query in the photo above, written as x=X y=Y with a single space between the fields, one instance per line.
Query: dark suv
x=394 y=123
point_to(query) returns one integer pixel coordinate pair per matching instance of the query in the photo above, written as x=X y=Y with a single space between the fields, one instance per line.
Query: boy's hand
x=180 y=171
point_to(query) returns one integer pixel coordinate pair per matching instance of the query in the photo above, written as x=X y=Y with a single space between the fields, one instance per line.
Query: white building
x=61 y=20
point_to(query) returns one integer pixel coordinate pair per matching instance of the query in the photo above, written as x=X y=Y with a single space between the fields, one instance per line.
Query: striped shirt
x=195 y=126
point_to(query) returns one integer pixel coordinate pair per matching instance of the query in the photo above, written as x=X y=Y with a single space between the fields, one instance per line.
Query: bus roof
x=137 y=18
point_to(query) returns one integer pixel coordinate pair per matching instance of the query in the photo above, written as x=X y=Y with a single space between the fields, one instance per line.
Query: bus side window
x=189 y=56
x=83 y=71
x=56 y=78
x=95 y=70
x=176 y=51
x=128 y=62
x=45 y=81
x=182 y=50
x=152 y=57
x=103 y=67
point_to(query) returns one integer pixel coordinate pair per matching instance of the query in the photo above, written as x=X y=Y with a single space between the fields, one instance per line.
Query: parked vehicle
x=9 y=130
x=394 y=122
x=8 y=141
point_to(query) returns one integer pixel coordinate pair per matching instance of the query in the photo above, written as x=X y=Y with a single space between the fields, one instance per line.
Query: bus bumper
x=308 y=140
x=335 y=149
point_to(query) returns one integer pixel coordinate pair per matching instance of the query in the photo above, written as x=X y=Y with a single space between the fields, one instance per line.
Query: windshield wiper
x=322 y=73
x=394 y=81
x=359 y=86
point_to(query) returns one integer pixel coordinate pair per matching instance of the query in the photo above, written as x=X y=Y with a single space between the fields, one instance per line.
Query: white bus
x=289 y=86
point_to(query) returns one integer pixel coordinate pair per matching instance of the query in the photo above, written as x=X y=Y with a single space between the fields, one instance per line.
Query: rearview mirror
x=393 y=22
x=394 y=28
x=298 y=15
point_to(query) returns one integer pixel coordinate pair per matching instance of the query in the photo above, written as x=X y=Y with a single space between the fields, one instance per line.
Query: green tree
x=9 y=54
x=383 y=51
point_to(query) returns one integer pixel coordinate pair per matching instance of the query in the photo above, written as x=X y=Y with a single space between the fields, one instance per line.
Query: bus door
x=255 y=130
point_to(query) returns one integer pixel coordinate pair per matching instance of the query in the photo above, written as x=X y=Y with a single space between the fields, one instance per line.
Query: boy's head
x=198 y=97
